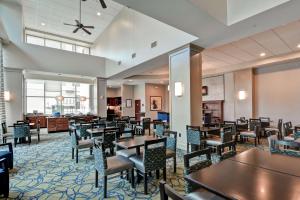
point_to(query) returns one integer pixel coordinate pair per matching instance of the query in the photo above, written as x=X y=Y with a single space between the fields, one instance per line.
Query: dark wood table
x=275 y=162
x=137 y=142
x=210 y=131
x=236 y=180
x=98 y=132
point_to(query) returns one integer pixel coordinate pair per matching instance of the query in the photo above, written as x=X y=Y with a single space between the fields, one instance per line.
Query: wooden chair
x=283 y=146
x=6 y=135
x=255 y=134
x=171 y=146
x=288 y=131
x=37 y=131
x=194 y=138
x=21 y=131
x=226 y=150
x=77 y=144
x=153 y=159
x=108 y=166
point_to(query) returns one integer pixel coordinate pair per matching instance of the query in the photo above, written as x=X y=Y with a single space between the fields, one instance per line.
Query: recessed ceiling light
x=262 y=54
x=99 y=13
x=43 y=24
x=298 y=46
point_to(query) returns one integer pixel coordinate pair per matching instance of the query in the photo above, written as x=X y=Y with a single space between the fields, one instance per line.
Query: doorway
x=137 y=106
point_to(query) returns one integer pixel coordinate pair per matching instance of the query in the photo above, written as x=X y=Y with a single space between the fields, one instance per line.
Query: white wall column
x=185 y=68
x=101 y=97
x=14 y=85
x=127 y=92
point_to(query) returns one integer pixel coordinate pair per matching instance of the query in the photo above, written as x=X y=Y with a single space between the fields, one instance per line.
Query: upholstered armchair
x=6 y=134
x=4 y=178
x=189 y=168
x=194 y=139
x=254 y=133
x=171 y=146
x=280 y=146
x=21 y=131
x=153 y=159
x=77 y=144
x=111 y=165
x=8 y=154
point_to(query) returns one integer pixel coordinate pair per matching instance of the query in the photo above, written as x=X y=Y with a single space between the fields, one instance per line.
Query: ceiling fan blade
x=86 y=31
x=75 y=31
x=77 y=22
x=69 y=24
x=103 y=4
x=88 y=27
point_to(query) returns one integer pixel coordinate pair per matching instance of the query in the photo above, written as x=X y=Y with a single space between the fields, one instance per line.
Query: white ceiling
x=56 y=12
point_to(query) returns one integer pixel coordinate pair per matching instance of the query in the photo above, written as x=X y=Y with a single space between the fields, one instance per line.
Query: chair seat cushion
x=248 y=134
x=117 y=164
x=85 y=144
x=202 y=194
x=170 y=153
x=272 y=129
x=127 y=130
x=289 y=138
x=126 y=152
x=215 y=142
x=6 y=135
x=138 y=162
x=4 y=154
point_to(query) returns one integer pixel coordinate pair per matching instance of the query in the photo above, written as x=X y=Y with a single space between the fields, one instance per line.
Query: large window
x=53 y=96
x=41 y=41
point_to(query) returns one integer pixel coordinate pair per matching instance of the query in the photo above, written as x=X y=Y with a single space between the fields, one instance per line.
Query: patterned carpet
x=45 y=170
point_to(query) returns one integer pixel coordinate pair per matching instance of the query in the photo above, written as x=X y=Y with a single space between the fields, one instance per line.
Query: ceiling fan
x=79 y=25
x=102 y=2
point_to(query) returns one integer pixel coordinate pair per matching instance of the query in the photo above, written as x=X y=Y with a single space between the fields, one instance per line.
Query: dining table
x=210 y=131
x=134 y=143
x=98 y=132
x=253 y=174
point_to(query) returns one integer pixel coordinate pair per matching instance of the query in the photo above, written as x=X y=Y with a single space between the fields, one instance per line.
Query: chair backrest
x=121 y=125
x=242 y=120
x=155 y=122
x=111 y=124
x=100 y=159
x=109 y=137
x=232 y=124
x=146 y=123
x=189 y=168
x=297 y=135
x=166 y=191
x=193 y=135
x=226 y=134
x=227 y=150
x=265 y=122
x=253 y=123
x=38 y=126
x=125 y=118
x=83 y=128
x=159 y=131
x=21 y=130
x=279 y=125
x=171 y=140
x=287 y=128
x=138 y=130
x=74 y=138
x=155 y=154
x=4 y=127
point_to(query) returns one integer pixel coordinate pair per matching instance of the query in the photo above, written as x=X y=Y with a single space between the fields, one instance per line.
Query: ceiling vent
x=153 y=44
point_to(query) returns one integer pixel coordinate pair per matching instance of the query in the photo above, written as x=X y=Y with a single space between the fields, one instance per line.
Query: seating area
x=182 y=100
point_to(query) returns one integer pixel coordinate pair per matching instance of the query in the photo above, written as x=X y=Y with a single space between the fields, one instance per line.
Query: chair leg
x=157 y=174
x=72 y=153
x=255 y=142
x=165 y=174
x=132 y=178
x=15 y=141
x=29 y=140
x=96 y=178
x=105 y=186
x=145 y=183
x=127 y=174
x=76 y=155
x=38 y=137
x=91 y=151
x=174 y=164
x=187 y=148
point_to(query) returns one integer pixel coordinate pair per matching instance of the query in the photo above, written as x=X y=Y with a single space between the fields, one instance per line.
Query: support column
x=185 y=65
x=101 y=97
x=127 y=92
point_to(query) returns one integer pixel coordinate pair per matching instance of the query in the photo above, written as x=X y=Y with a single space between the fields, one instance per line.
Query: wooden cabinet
x=114 y=101
x=212 y=112
x=35 y=119
x=58 y=124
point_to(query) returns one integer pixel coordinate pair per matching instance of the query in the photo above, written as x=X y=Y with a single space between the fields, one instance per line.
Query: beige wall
x=155 y=90
x=215 y=86
x=113 y=92
x=139 y=94
x=277 y=92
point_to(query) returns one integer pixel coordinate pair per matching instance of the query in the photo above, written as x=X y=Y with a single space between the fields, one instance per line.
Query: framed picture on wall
x=128 y=103
x=204 y=90
x=155 y=103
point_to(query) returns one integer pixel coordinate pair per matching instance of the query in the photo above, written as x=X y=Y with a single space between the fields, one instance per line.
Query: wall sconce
x=242 y=95
x=6 y=96
x=60 y=98
x=178 y=89
x=168 y=87
x=82 y=98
